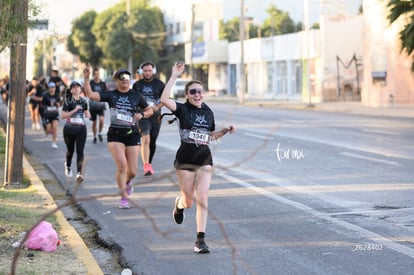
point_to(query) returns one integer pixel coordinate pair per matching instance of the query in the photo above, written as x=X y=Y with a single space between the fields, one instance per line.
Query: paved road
x=294 y=192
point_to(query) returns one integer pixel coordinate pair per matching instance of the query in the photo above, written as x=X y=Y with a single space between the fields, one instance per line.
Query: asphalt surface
x=103 y=189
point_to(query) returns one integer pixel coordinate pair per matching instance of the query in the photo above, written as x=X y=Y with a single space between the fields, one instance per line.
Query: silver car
x=178 y=89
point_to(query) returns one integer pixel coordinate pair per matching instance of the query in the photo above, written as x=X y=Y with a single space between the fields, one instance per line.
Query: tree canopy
x=404 y=10
x=112 y=36
x=278 y=22
x=10 y=24
x=82 y=41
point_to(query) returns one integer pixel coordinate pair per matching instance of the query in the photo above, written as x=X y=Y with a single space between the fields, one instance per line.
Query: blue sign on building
x=199 y=49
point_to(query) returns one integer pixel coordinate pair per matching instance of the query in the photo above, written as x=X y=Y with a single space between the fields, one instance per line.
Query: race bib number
x=51 y=108
x=76 y=120
x=125 y=118
x=199 y=137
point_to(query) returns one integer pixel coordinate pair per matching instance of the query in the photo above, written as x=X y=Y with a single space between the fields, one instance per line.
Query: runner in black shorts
x=193 y=162
x=151 y=89
x=97 y=109
x=123 y=134
x=35 y=93
x=50 y=105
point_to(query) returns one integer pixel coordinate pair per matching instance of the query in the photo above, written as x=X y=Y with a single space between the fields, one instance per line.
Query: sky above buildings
x=61 y=13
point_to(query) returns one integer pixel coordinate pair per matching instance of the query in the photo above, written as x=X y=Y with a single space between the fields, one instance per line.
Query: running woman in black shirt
x=35 y=93
x=50 y=117
x=193 y=161
x=123 y=134
x=74 y=111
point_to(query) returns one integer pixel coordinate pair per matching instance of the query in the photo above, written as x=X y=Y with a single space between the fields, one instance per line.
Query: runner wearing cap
x=126 y=108
x=75 y=110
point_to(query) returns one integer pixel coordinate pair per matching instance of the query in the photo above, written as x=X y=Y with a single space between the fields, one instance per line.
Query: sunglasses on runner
x=124 y=77
x=195 y=91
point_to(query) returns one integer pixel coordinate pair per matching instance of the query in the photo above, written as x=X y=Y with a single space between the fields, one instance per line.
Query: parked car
x=178 y=89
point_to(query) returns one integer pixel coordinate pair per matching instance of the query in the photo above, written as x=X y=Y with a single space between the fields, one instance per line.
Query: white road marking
x=374 y=237
x=258 y=136
x=381 y=132
x=370 y=159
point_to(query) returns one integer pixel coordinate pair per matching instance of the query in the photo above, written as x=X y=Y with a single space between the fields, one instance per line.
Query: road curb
x=72 y=237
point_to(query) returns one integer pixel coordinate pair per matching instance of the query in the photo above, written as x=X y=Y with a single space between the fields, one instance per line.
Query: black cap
x=121 y=71
x=75 y=83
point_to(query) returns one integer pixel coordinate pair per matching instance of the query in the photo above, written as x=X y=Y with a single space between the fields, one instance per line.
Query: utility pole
x=15 y=112
x=307 y=45
x=192 y=40
x=128 y=11
x=242 y=77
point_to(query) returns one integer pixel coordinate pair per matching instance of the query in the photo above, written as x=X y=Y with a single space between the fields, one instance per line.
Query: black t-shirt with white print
x=195 y=123
x=123 y=107
x=98 y=86
x=77 y=118
x=151 y=91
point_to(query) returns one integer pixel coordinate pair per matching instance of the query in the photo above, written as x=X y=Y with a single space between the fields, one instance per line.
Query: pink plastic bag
x=42 y=237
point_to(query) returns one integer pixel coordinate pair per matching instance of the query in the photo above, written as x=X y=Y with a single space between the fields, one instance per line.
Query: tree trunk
x=17 y=99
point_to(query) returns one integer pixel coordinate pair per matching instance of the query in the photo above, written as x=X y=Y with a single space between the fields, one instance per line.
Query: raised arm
x=177 y=69
x=87 y=85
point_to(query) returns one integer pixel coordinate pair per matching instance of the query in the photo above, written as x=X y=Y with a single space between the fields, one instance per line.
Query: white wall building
x=276 y=67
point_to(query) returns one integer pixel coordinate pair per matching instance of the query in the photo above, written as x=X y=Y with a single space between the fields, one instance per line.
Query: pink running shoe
x=124 y=204
x=148 y=171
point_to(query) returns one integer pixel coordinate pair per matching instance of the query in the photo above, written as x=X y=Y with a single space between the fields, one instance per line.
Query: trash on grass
x=43 y=237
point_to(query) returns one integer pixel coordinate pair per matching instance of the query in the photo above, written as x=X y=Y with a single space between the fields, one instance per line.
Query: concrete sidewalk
x=71 y=236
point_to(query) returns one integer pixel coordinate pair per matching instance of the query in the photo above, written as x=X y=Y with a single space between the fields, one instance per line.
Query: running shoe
x=94 y=140
x=148 y=171
x=178 y=214
x=129 y=188
x=54 y=145
x=124 y=204
x=79 y=177
x=68 y=171
x=201 y=247
x=100 y=137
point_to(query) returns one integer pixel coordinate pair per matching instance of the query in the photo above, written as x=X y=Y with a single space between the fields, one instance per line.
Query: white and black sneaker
x=79 y=177
x=201 y=247
x=68 y=171
x=178 y=214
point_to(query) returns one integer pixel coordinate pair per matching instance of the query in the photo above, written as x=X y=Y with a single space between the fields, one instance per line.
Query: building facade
x=388 y=78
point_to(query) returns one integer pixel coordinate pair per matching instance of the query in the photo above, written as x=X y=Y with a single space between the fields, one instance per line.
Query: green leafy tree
x=6 y=23
x=279 y=22
x=139 y=35
x=43 y=56
x=231 y=30
x=404 y=10
x=82 y=41
x=10 y=24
